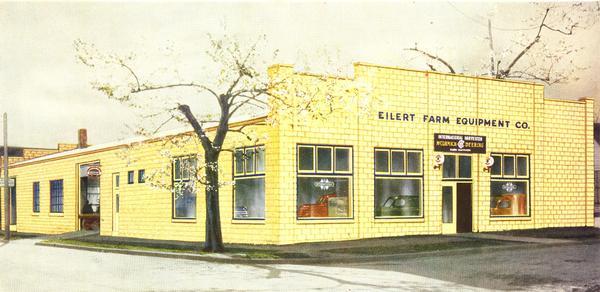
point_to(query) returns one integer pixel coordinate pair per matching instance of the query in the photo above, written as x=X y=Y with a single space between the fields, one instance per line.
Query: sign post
x=6 y=183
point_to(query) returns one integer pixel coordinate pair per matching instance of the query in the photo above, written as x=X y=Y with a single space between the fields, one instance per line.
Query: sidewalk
x=333 y=252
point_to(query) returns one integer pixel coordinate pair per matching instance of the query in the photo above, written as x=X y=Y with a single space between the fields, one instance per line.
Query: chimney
x=82 y=138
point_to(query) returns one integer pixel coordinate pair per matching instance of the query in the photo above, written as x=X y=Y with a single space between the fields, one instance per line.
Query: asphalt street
x=546 y=268
x=27 y=267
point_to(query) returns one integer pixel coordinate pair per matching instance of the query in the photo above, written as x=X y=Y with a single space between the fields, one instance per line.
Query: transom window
x=398 y=183
x=509 y=185
x=249 y=183
x=324 y=159
x=184 y=187
x=456 y=167
x=324 y=181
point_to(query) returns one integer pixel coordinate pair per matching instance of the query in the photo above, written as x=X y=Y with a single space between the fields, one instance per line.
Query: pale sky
x=48 y=96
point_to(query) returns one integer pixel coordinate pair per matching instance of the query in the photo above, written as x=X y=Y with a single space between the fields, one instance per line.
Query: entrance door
x=116 y=203
x=13 y=204
x=464 y=208
x=457 y=207
x=448 y=208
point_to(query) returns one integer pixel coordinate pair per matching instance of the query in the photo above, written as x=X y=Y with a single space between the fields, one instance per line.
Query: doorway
x=116 y=203
x=13 y=203
x=457 y=207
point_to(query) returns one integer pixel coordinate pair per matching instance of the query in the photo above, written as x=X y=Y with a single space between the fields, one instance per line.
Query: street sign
x=11 y=182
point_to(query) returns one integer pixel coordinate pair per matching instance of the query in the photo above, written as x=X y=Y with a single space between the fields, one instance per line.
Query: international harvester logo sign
x=459 y=143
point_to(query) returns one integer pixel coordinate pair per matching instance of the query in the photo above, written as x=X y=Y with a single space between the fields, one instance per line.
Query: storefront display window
x=509 y=196
x=456 y=167
x=398 y=193
x=249 y=186
x=184 y=191
x=327 y=192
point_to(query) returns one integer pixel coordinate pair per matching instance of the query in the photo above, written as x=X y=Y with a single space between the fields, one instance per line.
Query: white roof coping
x=129 y=141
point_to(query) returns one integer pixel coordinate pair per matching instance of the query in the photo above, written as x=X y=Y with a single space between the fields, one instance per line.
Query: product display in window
x=508 y=198
x=249 y=198
x=320 y=197
x=397 y=197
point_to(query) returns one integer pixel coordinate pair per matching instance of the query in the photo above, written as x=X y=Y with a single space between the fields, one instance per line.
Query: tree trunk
x=213 y=239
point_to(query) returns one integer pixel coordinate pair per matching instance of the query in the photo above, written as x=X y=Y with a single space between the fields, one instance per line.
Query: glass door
x=448 y=208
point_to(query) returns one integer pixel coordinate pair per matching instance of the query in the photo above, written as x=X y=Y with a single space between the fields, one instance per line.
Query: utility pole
x=6 y=187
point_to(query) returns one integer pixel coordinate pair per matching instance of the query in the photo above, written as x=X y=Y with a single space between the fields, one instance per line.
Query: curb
x=314 y=260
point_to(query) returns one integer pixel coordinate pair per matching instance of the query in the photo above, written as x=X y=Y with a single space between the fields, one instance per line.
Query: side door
x=116 y=202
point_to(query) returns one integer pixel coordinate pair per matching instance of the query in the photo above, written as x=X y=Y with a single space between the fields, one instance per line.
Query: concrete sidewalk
x=340 y=251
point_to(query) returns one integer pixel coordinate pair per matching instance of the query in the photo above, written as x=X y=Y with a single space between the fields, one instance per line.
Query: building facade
x=432 y=153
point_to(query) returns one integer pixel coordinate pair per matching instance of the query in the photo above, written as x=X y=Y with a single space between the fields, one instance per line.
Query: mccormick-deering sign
x=458 y=143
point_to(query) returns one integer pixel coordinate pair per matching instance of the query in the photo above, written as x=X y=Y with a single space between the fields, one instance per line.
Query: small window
x=260 y=159
x=497 y=166
x=239 y=161
x=413 y=162
x=324 y=159
x=249 y=160
x=141 y=176
x=56 y=196
x=342 y=159
x=306 y=158
x=382 y=161
x=522 y=167
x=464 y=166
x=130 y=177
x=509 y=165
x=36 y=197
x=117 y=180
x=449 y=166
x=398 y=162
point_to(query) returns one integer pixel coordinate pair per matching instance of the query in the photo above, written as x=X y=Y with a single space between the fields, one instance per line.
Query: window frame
x=62 y=196
x=141 y=176
x=36 y=197
x=130 y=177
x=402 y=176
x=244 y=175
x=333 y=173
x=512 y=178
x=181 y=179
x=316 y=158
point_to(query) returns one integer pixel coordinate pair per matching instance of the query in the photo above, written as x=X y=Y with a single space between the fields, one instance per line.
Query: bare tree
x=237 y=85
x=543 y=53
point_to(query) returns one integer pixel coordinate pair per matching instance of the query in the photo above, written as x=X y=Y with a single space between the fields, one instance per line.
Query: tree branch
x=436 y=58
x=185 y=110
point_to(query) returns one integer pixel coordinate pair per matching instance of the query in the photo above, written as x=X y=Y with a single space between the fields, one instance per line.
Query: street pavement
x=558 y=267
x=27 y=267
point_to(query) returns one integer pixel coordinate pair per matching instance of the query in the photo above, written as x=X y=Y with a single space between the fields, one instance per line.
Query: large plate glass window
x=398 y=183
x=324 y=182
x=184 y=187
x=509 y=185
x=249 y=184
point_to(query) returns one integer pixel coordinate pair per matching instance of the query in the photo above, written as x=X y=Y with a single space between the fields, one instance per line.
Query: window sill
x=520 y=218
x=399 y=220
x=325 y=221
x=35 y=214
x=249 y=221
x=183 y=221
x=56 y=214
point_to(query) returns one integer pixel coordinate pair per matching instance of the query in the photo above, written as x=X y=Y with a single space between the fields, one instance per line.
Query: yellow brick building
x=417 y=161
